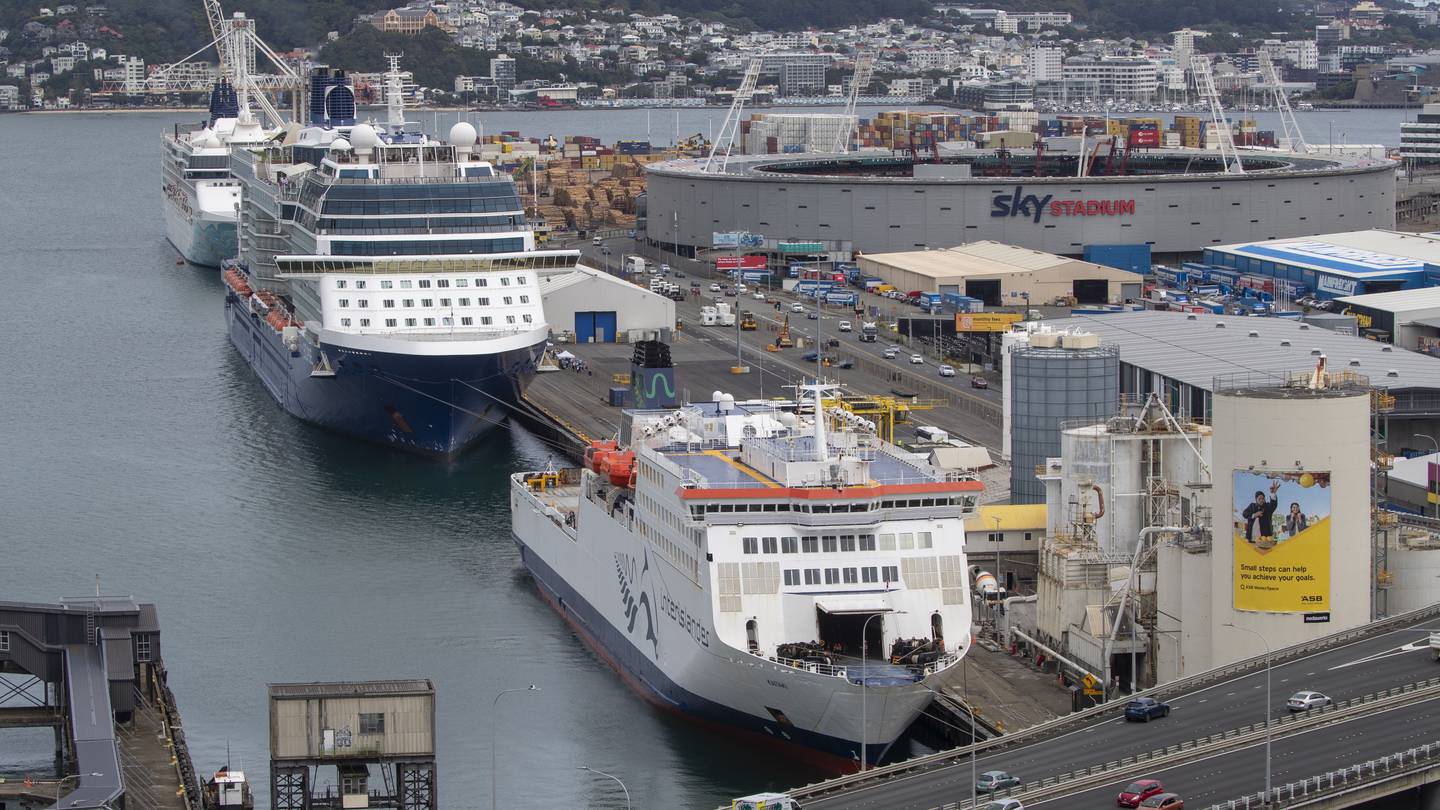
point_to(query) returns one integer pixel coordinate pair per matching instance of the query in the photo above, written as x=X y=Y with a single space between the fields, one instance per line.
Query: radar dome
x=462 y=134
x=339 y=145
x=364 y=137
x=213 y=141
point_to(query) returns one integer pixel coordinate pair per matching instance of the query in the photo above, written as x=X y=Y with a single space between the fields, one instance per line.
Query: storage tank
x=1291 y=505
x=1051 y=385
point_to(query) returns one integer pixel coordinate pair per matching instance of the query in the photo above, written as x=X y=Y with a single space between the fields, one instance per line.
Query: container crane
x=1205 y=85
x=1294 y=140
x=864 y=69
x=725 y=141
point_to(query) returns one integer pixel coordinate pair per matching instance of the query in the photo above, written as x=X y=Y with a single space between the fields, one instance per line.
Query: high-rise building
x=802 y=78
x=1127 y=77
x=502 y=70
x=1420 y=139
x=1043 y=63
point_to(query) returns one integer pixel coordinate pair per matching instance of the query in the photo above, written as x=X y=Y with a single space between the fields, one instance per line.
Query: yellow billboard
x=1282 y=541
x=985 y=321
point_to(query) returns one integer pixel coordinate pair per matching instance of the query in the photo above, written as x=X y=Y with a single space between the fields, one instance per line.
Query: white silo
x=1291 y=499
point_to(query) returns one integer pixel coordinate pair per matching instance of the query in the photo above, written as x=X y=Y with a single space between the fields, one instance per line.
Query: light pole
x=610 y=776
x=864 y=638
x=1428 y=489
x=970 y=707
x=494 y=707
x=1256 y=634
x=61 y=784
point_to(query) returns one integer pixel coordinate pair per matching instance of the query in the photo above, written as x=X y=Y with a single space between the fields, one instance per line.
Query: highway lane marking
x=1413 y=646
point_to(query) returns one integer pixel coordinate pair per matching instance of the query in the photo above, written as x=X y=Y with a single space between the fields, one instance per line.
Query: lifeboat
x=597 y=451
x=619 y=467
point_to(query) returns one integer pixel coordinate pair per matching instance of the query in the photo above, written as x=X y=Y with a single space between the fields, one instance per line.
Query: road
x=1377 y=662
x=973 y=414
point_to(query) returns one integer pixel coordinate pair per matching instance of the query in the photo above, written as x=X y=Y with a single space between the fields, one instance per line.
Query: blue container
x=617 y=396
x=1135 y=258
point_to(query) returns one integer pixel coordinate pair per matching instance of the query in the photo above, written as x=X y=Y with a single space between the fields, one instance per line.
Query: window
x=485 y=320
x=907 y=541
x=1029 y=537
x=922 y=540
x=409 y=321
x=847 y=542
x=519 y=279
x=372 y=723
x=891 y=573
x=524 y=299
x=792 y=576
x=429 y=321
x=526 y=318
x=360 y=284
x=409 y=303
x=812 y=576
x=484 y=302
x=751 y=545
x=388 y=303
x=4 y=641
x=887 y=542
x=363 y=303
x=832 y=576
x=142 y=646
x=385 y=285
x=504 y=281
x=480 y=282
x=830 y=543
x=464 y=302
x=405 y=285
x=851 y=576
x=444 y=302
x=424 y=283
x=390 y=322
x=339 y=283
x=364 y=321
x=995 y=537
x=509 y=318
x=508 y=301
x=867 y=542
x=344 y=321
x=444 y=282
x=870 y=574
x=770 y=545
x=462 y=282
x=810 y=544
x=467 y=321
x=789 y=545
x=344 y=302
x=427 y=302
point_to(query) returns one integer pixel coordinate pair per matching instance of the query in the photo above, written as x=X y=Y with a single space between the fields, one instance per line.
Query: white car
x=741 y=288
x=664 y=268
x=597 y=241
x=715 y=288
x=1305 y=701
x=758 y=296
x=843 y=326
x=917 y=360
x=947 y=371
x=892 y=353
x=797 y=307
x=1004 y=804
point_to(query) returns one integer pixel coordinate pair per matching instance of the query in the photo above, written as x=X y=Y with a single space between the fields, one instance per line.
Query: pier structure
x=361 y=729
x=90 y=668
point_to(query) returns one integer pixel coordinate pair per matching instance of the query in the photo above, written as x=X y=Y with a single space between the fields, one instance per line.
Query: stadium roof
x=1194 y=350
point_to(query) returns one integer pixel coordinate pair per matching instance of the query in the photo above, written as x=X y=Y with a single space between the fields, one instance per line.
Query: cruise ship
x=764 y=569
x=201 y=199
x=387 y=285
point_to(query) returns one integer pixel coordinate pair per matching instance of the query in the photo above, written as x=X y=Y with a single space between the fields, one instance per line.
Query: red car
x=1138 y=791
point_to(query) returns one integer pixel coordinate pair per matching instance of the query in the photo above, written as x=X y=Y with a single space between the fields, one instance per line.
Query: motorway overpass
x=1388 y=654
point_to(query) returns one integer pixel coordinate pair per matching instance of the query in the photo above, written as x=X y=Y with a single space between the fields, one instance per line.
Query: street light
x=864 y=637
x=61 y=784
x=1256 y=634
x=494 y=707
x=1427 y=480
x=610 y=776
x=970 y=706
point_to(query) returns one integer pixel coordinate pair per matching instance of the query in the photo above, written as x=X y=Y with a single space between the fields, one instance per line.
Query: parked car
x=979 y=382
x=917 y=360
x=991 y=781
x=947 y=370
x=1138 y=791
x=1164 y=801
x=892 y=353
x=1004 y=804
x=1305 y=701
x=1145 y=709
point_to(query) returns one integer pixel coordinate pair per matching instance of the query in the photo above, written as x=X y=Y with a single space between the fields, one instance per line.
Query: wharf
x=1007 y=694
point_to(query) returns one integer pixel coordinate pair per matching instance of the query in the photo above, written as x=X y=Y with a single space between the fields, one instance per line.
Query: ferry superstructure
x=727 y=559
x=387 y=286
x=201 y=199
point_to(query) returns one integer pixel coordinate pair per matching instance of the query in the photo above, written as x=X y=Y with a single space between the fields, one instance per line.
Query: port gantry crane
x=864 y=69
x=1205 y=85
x=725 y=141
x=1293 y=139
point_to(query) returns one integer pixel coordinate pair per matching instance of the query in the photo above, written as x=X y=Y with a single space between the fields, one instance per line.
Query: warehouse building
x=1179 y=356
x=1335 y=265
x=1408 y=318
x=597 y=307
x=1003 y=275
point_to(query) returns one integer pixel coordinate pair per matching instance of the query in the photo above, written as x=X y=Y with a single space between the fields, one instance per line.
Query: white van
x=843 y=326
x=931 y=434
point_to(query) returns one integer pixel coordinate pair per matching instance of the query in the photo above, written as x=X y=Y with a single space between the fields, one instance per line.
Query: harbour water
x=138 y=448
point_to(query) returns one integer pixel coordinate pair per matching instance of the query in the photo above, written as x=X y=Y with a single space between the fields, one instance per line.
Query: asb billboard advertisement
x=1282 y=541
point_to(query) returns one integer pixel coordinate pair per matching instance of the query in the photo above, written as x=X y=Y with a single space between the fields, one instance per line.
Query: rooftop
x=1011 y=517
x=1398 y=301
x=1356 y=254
x=416 y=686
x=1194 y=350
x=984 y=259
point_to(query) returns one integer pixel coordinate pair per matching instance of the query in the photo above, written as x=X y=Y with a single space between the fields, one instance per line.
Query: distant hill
x=1149 y=19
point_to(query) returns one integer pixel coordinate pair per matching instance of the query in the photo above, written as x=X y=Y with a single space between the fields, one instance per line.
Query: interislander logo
x=634 y=599
x=1017 y=203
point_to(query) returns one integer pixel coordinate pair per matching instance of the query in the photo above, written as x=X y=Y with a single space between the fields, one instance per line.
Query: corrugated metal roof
x=1397 y=301
x=1386 y=250
x=1196 y=352
x=351 y=688
x=983 y=259
x=1013 y=517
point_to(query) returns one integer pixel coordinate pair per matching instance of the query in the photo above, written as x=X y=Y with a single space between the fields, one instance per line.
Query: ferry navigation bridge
x=1380 y=737
x=90 y=668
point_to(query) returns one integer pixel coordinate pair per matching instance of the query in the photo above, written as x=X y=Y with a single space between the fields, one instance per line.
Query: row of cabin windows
x=409 y=303
x=842 y=576
x=465 y=320
x=965 y=501
x=424 y=283
x=831 y=543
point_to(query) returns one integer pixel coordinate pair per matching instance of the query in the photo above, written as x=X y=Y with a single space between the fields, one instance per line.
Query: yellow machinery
x=747 y=322
x=782 y=340
x=883 y=410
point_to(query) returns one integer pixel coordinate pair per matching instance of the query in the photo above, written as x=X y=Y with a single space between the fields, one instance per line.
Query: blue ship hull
x=435 y=405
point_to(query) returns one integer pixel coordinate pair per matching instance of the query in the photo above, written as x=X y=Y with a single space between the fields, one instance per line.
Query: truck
x=843 y=298
x=868 y=332
x=709 y=316
x=725 y=314
x=634 y=264
x=765 y=801
x=871 y=282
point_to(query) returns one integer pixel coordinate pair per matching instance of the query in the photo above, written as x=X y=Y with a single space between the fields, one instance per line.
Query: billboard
x=1281 y=522
x=734 y=240
x=741 y=262
x=985 y=321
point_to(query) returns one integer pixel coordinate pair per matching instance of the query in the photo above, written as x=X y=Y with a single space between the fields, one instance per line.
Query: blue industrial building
x=1339 y=264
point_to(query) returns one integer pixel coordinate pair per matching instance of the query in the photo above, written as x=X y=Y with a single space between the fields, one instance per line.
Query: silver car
x=1305 y=701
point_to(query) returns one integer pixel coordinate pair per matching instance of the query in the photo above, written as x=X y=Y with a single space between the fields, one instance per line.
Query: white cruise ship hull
x=653 y=625
x=200 y=228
